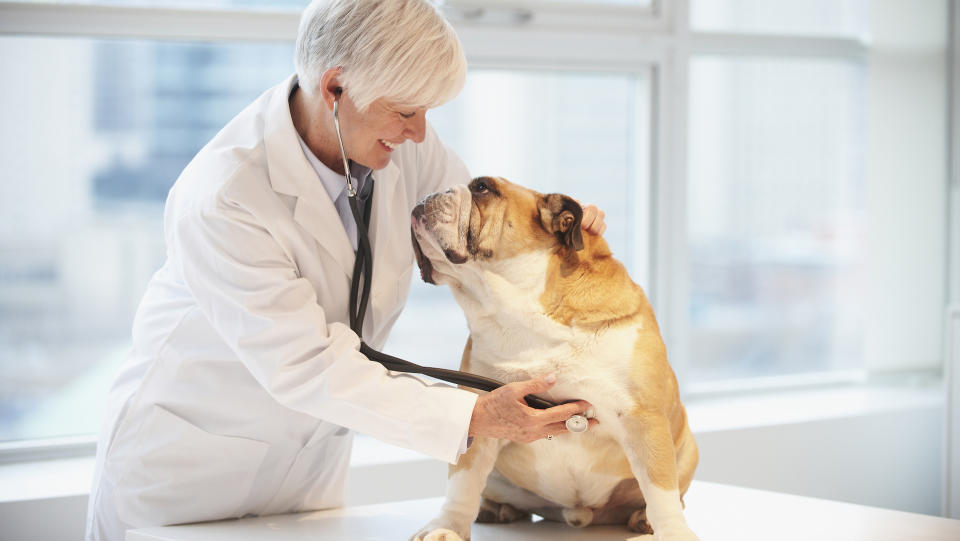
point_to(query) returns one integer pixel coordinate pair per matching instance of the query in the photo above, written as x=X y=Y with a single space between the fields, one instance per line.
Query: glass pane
x=775 y=217
x=573 y=133
x=86 y=170
x=801 y=17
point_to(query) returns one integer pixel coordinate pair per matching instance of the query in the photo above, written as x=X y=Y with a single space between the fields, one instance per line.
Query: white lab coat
x=244 y=381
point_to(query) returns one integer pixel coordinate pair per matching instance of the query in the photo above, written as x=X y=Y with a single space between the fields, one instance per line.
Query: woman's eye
x=408 y=115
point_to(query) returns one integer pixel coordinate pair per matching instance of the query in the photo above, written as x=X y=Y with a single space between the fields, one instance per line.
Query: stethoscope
x=363 y=266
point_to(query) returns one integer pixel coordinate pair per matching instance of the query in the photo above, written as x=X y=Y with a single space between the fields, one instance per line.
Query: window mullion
x=669 y=288
x=777 y=45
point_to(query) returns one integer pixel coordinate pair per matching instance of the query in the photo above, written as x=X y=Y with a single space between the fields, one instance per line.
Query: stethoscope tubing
x=358 y=307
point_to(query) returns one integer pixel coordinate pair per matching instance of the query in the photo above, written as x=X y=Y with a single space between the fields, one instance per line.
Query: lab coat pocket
x=181 y=473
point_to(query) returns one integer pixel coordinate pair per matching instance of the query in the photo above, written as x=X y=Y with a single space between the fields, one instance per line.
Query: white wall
x=890 y=459
x=51 y=519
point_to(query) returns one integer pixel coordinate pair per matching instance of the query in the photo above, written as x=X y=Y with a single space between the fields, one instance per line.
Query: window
x=771 y=177
x=775 y=208
x=85 y=174
x=815 y=218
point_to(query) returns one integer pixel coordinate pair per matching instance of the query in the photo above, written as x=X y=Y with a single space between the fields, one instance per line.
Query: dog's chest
x=571 y=469
x=513 y=340
x=596 y=367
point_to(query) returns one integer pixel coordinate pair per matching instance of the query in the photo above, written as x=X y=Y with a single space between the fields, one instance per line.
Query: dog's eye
x=480 y=187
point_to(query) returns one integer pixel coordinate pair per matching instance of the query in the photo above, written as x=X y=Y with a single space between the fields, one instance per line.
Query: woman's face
x=371 y=136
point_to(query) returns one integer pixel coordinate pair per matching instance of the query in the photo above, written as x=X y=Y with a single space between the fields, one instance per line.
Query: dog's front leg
x=648 y=444
x=464 y=493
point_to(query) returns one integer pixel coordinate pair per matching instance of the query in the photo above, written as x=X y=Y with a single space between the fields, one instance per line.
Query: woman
x=244 y=382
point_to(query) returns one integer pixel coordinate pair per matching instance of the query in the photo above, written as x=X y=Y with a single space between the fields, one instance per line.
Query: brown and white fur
x=541 y=297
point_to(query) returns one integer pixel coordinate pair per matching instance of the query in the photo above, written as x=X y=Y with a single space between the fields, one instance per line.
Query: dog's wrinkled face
x=490 y=219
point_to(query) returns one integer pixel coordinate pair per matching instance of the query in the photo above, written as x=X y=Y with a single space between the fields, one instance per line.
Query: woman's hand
x=592 y=221
x=503 y=414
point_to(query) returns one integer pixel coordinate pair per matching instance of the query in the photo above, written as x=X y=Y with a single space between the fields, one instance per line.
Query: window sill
x=784 y=407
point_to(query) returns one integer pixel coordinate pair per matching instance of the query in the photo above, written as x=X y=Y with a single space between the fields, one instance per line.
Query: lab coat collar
x=291 y=174
x=287 y=166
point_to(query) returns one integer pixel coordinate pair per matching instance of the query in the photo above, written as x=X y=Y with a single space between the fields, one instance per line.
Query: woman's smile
x=390 y=147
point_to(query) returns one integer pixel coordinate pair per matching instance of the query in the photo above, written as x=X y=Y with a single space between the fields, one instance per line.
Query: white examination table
x=715 y=513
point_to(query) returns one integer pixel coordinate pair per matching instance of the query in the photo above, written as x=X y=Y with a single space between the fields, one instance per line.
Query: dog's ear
x=561 y=215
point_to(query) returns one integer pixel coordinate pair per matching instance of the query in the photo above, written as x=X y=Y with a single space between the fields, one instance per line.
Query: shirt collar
x=334 y=183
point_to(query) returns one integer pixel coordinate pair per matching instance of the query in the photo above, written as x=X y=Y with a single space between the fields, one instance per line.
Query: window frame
x=550 y=36
x=951 y=349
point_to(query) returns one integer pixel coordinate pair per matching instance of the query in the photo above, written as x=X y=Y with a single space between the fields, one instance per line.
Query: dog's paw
x=638 y=522
x=443 y=528
x=499 y=513
x=438 y=534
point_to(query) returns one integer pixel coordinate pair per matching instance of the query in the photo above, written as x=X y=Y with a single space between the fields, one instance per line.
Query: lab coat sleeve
x=249 y=289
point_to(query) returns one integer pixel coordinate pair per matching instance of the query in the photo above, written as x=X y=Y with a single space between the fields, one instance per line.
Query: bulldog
x=543 y=297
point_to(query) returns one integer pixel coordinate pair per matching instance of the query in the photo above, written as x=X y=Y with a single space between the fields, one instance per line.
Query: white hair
x=401 y=50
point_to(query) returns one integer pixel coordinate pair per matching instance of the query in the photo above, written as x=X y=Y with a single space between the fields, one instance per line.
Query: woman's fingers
x=503 y=414
x=564 y=411
x=593 y=220
x=534 y=386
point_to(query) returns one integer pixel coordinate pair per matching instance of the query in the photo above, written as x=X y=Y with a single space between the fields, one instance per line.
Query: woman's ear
x=330 y=87
x=561 y=215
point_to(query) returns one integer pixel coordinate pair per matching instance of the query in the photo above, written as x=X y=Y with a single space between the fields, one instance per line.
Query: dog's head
x=489 y=220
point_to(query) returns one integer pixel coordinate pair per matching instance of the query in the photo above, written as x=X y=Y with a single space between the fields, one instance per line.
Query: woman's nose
x=416 y=127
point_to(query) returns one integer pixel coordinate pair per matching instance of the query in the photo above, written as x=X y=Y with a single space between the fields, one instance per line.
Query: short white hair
x=401 y=50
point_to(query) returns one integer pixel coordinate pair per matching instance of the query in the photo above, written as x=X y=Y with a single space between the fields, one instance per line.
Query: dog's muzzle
x=440 y=221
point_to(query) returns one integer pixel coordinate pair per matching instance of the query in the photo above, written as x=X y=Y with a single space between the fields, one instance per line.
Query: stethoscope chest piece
x=577 y=424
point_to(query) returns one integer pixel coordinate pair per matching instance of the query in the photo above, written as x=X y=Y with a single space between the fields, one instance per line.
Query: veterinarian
x=244 y=384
